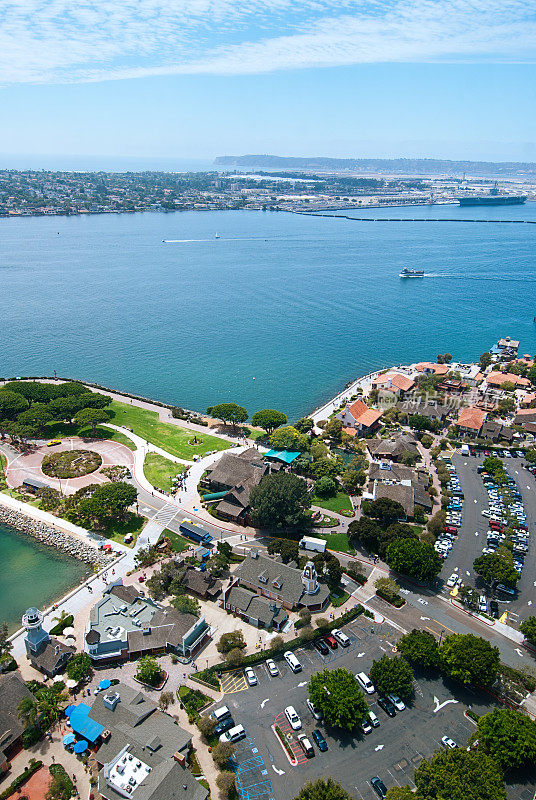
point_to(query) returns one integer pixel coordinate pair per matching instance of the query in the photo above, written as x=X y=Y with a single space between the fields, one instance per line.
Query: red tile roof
x=364 y=415
x=396 y=379
x=438 y=369
x=471 y=418
x=498 y=378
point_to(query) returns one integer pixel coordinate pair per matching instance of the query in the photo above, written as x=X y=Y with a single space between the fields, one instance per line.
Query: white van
x=292 y=661
x=234 y=735
x=375 y=722
x=220 y=713
x=365 y=682
x=341 y=637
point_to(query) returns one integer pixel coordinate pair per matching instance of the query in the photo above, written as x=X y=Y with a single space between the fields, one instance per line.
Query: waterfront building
x=12 y=691
x=393 y=448
x=124 y=624
x=45 y=653
x=470 y=421
x=358 y=419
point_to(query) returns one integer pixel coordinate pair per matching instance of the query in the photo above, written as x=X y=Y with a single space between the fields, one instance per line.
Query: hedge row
x=209 y=675
x=22 y=778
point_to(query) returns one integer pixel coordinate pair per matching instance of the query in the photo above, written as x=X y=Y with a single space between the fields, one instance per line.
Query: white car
x=317 y=714
x=453 y=580
x=272 y=668
x=250 y=676
x=341 y=637
x=397 y=702
x=293 y=718
x=448 y=742
x=482 y=603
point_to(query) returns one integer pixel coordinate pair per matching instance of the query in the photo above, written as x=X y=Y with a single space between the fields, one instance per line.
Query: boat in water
x=411 y=273
x=217 y=236
x=492 y=200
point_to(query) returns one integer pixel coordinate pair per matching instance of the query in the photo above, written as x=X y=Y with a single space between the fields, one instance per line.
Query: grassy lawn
x=255 y=434
x=338 y=597
x=177 y=543
x=336 y=541
x=340 y=501
x=159 y=470
x=60 y=430
x=117 y=531
x=169 y=437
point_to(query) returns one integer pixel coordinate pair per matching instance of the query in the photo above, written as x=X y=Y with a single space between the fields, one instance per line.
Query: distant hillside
x=401 y=166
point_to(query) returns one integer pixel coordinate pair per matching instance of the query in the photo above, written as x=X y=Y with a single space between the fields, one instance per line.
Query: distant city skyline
x=148 y=80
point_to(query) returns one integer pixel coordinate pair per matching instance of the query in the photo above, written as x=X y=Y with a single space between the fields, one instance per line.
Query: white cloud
x=46 y=41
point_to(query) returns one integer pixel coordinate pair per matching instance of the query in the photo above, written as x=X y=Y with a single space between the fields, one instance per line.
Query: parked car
x=322 y=647
x=293 y=718
x=387 y=706
x=272 y=668
x=320 y=741
x=250 y=676
x=397 y=702
x=224 y=725
x=448 y=742
x=233 y=734
x=482 y=603
x=306 y=745
x=366 y=727
x=341 y=637
x=331 y=641
x=494 y=608
x=379 y=787
x=292 y=661
x=453 y=580
x=317 y=714
x=375 y=722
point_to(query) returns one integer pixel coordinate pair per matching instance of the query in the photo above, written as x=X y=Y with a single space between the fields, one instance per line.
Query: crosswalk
x=166 y=514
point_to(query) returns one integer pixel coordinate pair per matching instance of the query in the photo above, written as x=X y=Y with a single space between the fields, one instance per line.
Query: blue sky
x=200 y=78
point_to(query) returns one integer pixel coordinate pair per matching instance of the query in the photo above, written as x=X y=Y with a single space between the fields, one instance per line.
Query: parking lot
x=472 y=533
x=392 y=751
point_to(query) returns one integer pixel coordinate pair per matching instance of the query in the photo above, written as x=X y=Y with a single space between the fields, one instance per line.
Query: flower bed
x=71 y=464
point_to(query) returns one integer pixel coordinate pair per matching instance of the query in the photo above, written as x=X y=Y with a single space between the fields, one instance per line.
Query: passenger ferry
x=411 y=273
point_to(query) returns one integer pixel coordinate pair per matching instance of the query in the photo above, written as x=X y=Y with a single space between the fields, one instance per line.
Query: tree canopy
x=384 y=510
x=323 y=789
x=79 y=667
x=528 y=629
x=337 y=694
x=288 y=438
x=281 y=500
x=392 y=676
x=497 y=566
x=11 y=404
x=91 y=417
x=509 y=737
x=459 y=775
x=469 y=659
x=420 y=648
x=416 y=559
x=365 y=531
x=229 y=412
x=268 y=419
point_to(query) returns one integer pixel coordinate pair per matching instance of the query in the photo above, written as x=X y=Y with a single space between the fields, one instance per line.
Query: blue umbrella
x=105 y=684
x=80 y=747
x=69 y=710
x=69 y=739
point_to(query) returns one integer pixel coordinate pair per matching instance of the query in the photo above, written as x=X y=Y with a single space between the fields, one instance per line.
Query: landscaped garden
x=177 y=441
x=176 y=542
x=339 y=502
x=71 y=464
x=160 y=470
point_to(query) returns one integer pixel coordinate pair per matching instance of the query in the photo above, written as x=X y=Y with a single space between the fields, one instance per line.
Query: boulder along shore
x=61 y=540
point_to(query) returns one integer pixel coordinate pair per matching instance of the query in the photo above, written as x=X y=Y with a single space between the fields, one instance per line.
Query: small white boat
x=217 y=236
x=411 y=273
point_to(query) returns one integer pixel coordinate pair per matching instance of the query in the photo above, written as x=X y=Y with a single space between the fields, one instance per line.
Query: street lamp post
x=441 y=636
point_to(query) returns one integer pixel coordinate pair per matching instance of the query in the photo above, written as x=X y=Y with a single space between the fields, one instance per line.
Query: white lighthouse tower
x=35 y=637
x=310 y=579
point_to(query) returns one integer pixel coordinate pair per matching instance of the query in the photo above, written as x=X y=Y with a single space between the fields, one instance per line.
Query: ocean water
x=33 y=574
x=280 y=311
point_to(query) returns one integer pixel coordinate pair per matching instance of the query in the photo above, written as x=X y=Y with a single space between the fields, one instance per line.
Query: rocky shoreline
x=61 y=540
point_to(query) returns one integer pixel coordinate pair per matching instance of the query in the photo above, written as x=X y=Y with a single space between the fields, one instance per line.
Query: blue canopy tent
x=105 y=684
x=69 y=710
x=69 y=738
x=80 y=747
x=83 y=725
x=286 y=456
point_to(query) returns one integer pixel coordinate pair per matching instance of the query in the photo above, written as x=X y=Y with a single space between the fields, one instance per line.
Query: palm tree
x=61 y=616
x=27 y=709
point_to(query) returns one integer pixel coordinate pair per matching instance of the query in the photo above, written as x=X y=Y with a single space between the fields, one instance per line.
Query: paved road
x=391 y=751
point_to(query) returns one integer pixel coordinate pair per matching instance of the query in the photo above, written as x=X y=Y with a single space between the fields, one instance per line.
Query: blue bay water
x=280 y=311
x=32 y=574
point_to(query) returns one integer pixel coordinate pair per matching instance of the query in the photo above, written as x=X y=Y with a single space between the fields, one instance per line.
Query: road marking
x=360 y=655
x=425 y=619
x=423 y=602
x=264 y=702
x=278 y=771
x=300 y=685
x=379 y=747
x=518 y=651
x=439 y=705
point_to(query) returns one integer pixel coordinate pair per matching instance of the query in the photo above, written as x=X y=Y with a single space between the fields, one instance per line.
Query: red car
x=451 y=529
x=331 y=640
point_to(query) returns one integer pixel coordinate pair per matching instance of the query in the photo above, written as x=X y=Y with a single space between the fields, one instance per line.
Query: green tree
x=93 y=400
x=223 y=752
x=485 y=360
x=527 y=628
x=419 y=648
x=402 y=793
x=11 y=404
x=387 y=588
x=460 y=775
x=186 y=605
x=37 y=416
x=206 y=726
x=149 y=671
x=108 y=501
x=415 y=559
x=228 y=641
x=235 y=657
x=336 y=693
x=229 y=412
x=27 y=711
x=469 y=659
x=497 y=567
x=91 y=417
x=304 y=425
x=436 y=524
x=384 y=510
x=318 y=449
x=493 y=464
x=226 y=783
x=79 y=667
x=394 y=533
x=325 y=487
x=5 y=645
x=268 y=419
x=50 y=498
x=323 y=789
x=353 y=479
x=530 y=455
x=64 y=408
x=509 y=737
x=469 y=597
x=326 y=467
x=281 y=500
x=333 y=430
x=166 y=700
x=392 y=676
x=288 y=438
x=365 y=531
